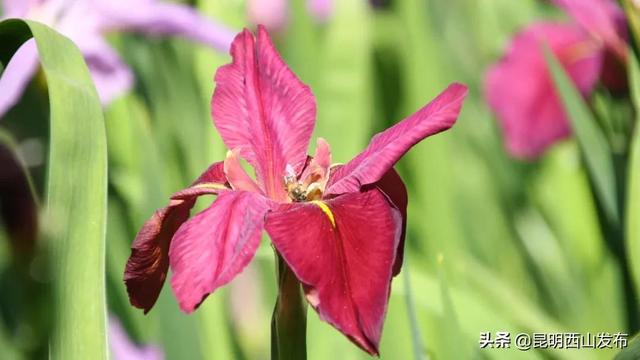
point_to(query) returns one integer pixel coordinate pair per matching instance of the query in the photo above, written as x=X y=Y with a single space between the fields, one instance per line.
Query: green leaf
x=76 y=191
x=632 y=352
x=633 y=192
x=632 y=11
x=591 y=140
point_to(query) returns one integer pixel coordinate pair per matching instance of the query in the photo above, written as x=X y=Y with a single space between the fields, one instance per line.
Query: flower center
x=299 y=191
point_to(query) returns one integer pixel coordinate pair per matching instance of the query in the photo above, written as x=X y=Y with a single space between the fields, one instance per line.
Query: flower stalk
x=289 y=321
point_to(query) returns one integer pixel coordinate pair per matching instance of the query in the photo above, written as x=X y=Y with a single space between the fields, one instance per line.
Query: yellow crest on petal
x=326 y=210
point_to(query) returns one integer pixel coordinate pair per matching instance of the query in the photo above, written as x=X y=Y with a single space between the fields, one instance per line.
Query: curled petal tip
x=387 y=147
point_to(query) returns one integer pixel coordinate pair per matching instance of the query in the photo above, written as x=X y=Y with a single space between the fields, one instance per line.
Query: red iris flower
x=520 y=90
x=340 y=228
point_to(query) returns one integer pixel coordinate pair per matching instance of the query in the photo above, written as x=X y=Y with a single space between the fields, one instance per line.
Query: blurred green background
x=494 y=244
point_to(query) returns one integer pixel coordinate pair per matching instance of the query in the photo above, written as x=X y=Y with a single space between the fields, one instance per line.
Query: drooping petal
x=343 y=251
x=387 y=147
x=209 y=250
x=520 y=90
x=603 y=19
x=147 y=266
x=393 y=187
x=154 y=17
x=261 y=107
x=17 y=75
x=213 y=174
x=237 y=177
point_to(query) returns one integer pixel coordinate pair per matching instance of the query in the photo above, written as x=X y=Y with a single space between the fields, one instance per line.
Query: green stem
x=289 y=322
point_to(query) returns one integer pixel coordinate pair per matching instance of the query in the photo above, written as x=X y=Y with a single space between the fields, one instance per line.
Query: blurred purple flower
x=86 y=22
x=122 y=348
x=520 y=90
x=320 y=9
x=274 y=14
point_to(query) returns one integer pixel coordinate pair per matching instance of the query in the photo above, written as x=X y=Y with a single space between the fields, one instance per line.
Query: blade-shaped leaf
x=591 y=140
x=632 y=10
x=632 y=352
x=633 y=191
x=76 y=191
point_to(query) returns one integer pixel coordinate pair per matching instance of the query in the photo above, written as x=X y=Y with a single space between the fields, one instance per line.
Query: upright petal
x=521 y=92
x=603 y=19
x=261 y=107
x=237 y=177
x=147 y=266
x=17 y=75
x=163 y=18
x=209 y=250
x=322 y=158
x=387 y=147
x=317 y=167
x=343 y=251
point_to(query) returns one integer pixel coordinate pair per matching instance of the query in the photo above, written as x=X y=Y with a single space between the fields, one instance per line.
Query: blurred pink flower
x=122 y=348
x=520 y=90
x=274 y=14
x=320 y=9
x=86 y=22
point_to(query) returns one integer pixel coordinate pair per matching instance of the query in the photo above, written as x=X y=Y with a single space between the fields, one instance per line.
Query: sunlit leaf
x=631 y=352
x=633 y=192
x=632 y=9
x=591 y=140
x=76 y=192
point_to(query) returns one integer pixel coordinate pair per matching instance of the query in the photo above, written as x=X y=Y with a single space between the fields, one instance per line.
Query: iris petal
x=343 y=251
x=387 y=147
x=210 y=249
x=260 y=107
x=237 y=177
x=148 y=264
x=520 y=90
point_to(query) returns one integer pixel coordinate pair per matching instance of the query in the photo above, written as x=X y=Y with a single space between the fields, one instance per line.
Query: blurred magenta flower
x=519 y=87
x=340 y=228
x=274 y=14
x=122 y=348
x=86 y=22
